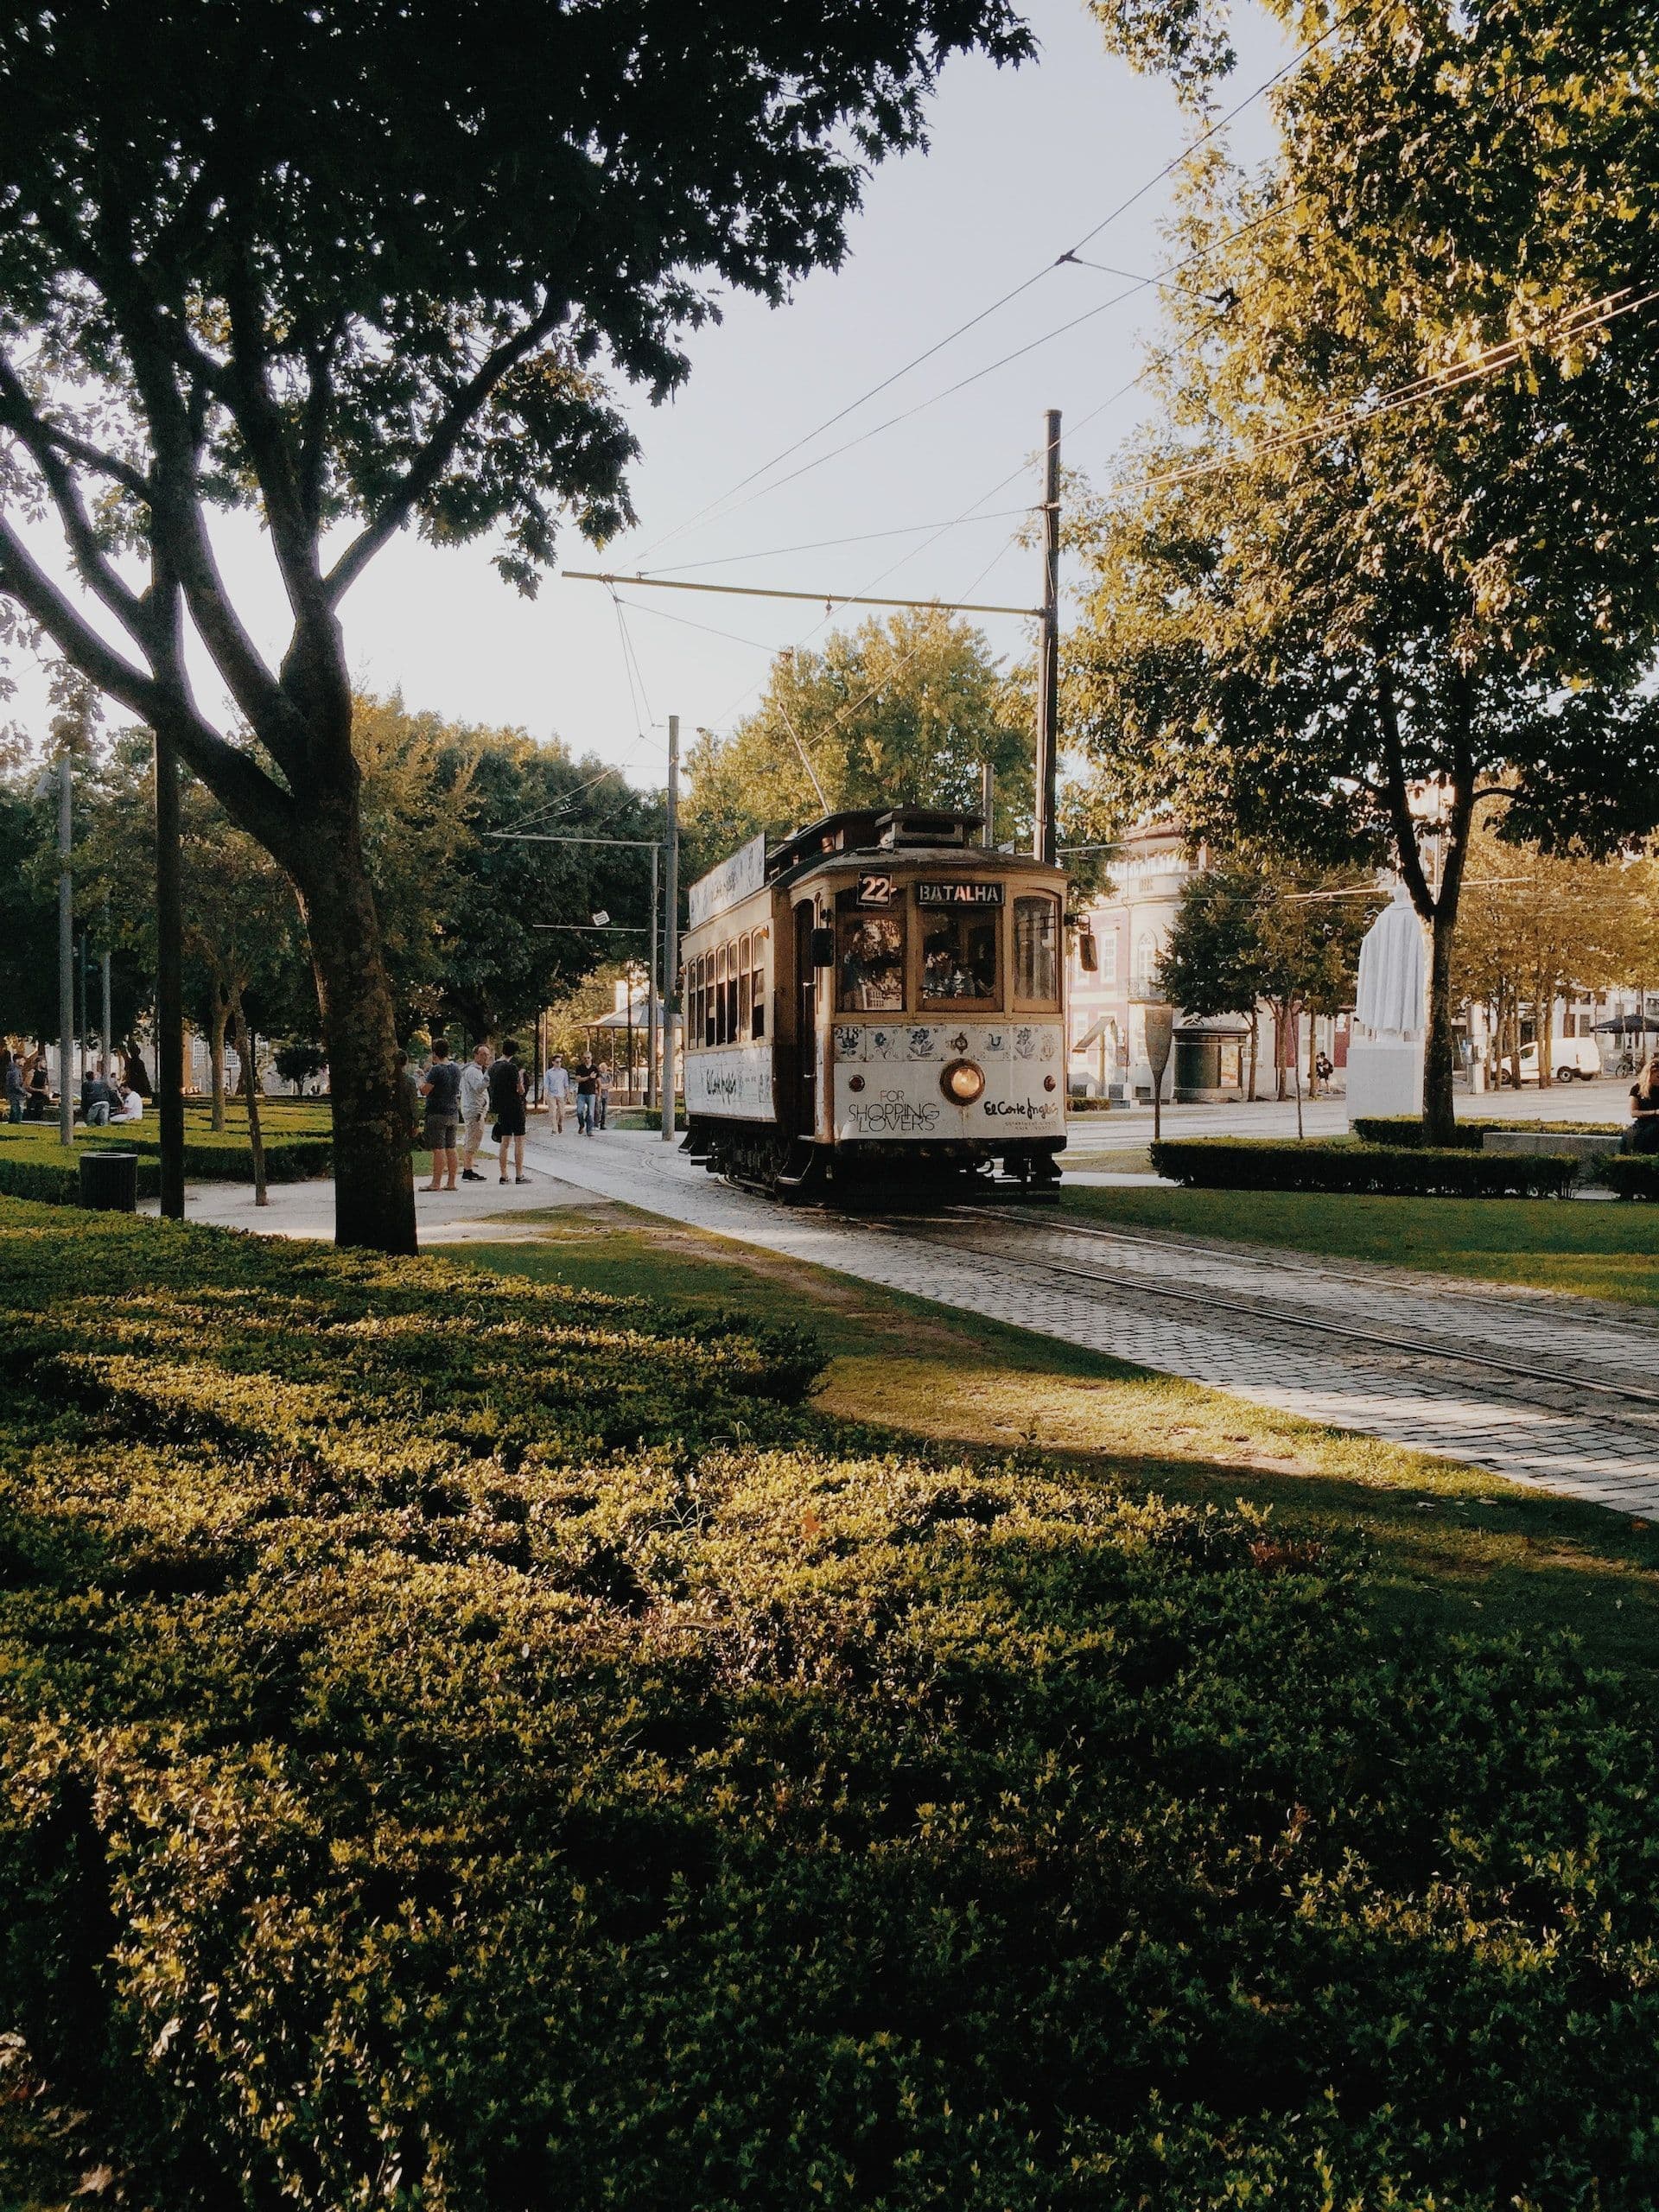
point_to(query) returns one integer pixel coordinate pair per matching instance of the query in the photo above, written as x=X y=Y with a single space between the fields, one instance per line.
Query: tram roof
x=867 y=829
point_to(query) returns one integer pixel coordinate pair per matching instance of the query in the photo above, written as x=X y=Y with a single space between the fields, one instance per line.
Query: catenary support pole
x=988 y=805
x=1048 y=649
x=671 y=929
x=651 y=985
x=103 y=1031
x=66 y=954
x=169 y=981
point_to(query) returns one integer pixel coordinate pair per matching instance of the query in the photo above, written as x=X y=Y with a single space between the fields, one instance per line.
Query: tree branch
x=425 y=471
x=18 y=412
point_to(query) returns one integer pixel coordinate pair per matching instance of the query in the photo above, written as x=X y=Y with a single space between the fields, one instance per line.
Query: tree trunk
x=221 y=1014
x=250 y=1094
x=1278 y=1050
x=374 y=1188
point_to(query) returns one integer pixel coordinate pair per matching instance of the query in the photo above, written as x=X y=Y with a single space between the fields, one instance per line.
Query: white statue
x=1392 y=996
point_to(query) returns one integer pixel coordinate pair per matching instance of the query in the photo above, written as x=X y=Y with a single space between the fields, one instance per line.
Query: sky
x=1021 y=165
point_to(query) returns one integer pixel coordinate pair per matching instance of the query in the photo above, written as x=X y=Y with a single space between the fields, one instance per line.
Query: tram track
x=1267 y=1315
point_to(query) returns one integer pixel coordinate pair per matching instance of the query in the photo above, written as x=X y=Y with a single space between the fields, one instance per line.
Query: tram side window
x=733 y=1033
x=721 y=1032
x=869 y=959
x=959 y=957
x=1037 y=953
x=745 y=987
x=758 y=1015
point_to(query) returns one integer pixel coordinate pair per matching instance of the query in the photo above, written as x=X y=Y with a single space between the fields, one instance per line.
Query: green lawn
x=1453 y=1548
x=1591 y=1249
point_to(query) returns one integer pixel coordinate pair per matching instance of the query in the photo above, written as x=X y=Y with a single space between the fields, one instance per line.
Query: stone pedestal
x=1384 y=1077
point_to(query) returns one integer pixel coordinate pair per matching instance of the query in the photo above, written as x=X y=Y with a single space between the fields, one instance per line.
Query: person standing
x=506 y=1082
x=13 y=1073
x=442 y=1091
x=603 y=1101
x=475 y=1097
x=587 y=1095
x=409 y=1091
x=1642 y=1135
x=558 y=1090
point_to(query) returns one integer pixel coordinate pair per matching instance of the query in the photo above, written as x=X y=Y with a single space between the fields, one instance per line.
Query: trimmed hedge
x=466 y=1746
x=37 y=1166
x=1407 y=1129
x=1630 y=1175
x=1255 y=1164
x=224 y=1158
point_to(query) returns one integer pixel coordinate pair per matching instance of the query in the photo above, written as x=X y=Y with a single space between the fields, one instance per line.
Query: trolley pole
x=169 y=981
x=1048 y=649
x=66 y=953
x=671 y=928
x=651 y=985
x=988 y=805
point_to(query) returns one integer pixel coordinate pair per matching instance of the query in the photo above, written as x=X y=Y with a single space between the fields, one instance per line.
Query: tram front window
x=1037 y=953
x=870 y=963
x=959 y=958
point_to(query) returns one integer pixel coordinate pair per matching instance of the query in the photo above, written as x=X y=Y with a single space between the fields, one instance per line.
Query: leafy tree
x=1317 y=603
x=1255 y=929
x=296 y=1062
x=905 y=711
x=1534 y=925
x=356 y=269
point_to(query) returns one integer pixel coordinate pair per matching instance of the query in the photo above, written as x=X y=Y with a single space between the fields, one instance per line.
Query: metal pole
x=103 y=1057
x=66 y=953
x=169 y=981
x=1048 y=650
x=671 y=929
x=988 y=805
x=651 y=987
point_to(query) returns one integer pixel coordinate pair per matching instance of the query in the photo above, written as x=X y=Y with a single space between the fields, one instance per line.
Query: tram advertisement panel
x=962 y=1080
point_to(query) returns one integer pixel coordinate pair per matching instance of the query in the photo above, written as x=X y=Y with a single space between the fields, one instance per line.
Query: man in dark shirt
x=587 y=1095
x=442 y=1091
x=506 y=1081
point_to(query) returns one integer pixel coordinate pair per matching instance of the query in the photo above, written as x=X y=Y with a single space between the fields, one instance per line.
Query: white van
x=1570 y=1057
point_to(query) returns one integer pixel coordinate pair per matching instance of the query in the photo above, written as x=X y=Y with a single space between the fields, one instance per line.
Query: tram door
x=806 y=1020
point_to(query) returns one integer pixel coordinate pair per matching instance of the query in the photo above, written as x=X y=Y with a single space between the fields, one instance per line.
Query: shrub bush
x=467 y=1748
x=1630 y=1175
x=291 y=1156
x=1252 y=1164
x=1408 y=1129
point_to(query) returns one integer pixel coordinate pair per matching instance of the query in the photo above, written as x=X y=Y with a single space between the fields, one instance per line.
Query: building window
x=1146 y=964
x=1106 y=954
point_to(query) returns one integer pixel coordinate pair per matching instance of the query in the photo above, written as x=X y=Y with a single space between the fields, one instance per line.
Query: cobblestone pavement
x=1564 y=1393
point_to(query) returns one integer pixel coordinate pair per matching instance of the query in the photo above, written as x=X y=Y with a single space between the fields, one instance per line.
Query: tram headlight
x=962 y=1082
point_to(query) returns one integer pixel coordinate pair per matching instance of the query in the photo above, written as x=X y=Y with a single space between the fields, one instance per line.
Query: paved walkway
x=1558 y=1407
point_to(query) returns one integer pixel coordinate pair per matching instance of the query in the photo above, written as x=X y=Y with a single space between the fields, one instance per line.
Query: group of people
x=587 y=1085
x=106 y=1100
x=450 y=1102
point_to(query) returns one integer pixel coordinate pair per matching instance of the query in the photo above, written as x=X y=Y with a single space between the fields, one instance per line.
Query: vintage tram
x=879 y=996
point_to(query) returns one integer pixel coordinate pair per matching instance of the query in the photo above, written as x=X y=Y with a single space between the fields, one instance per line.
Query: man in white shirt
x=475 y=1101
x=556 y=1084
x=130 y=1106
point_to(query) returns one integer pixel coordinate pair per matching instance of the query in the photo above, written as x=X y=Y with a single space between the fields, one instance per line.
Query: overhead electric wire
x=820 y=545
x=1070 y=254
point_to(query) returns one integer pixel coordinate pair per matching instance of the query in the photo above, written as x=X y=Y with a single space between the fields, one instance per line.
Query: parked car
x=1570 y=1057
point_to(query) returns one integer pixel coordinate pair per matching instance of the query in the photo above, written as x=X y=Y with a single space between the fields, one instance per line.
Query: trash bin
x=108 y=1181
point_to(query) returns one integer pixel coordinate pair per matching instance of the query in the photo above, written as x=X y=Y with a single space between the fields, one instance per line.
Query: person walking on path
x=506 y=1082
x=558 y=1090
x=1642 y=1135
x=587 y=1095
x=475 y=1097
x=13 y=1074
x=442 y=1091
x=604 y=1101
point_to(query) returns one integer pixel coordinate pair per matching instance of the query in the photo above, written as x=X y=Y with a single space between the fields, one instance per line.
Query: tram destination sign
x=958 y=890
